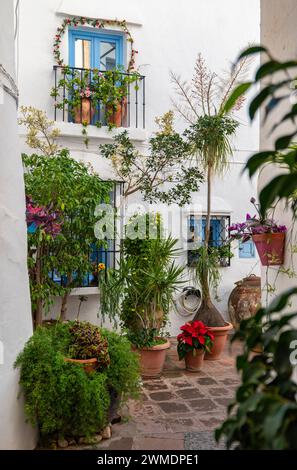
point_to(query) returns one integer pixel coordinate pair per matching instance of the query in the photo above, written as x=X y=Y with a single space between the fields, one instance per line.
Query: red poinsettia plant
x=195 y=335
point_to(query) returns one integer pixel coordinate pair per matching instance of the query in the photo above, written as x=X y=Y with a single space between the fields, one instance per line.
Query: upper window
x=94 y=50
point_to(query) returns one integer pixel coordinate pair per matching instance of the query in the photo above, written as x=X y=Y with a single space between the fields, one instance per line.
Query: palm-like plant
x=201 y=104
x=140 y=291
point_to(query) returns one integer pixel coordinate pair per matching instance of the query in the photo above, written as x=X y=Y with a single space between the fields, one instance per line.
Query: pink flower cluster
x=42 y=217
x=87 y=93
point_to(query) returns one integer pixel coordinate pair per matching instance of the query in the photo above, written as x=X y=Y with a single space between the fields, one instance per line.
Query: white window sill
x=85 y=291
x=69 y=129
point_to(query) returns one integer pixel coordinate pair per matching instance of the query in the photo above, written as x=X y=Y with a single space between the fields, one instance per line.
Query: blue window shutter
x=96 y=39
x=247 y=249
x=215 y=225
x=201 y=224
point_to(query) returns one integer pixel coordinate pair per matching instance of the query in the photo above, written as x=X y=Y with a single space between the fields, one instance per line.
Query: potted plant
x=212 y=127
x=85 y=92
x=61 y=400
x=195 y=339
x=113 y=91
x=142 y=291
x=268 y=236
x=151 y=346
x=152 y=278
x=84 y=111
x=87 y=347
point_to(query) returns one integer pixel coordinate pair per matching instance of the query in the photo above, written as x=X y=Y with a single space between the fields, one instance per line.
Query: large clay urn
x=245 y=299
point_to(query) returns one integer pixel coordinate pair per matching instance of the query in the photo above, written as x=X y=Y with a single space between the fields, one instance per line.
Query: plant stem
x=38 y=312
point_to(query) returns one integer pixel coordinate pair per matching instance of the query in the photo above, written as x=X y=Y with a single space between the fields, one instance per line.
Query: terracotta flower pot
x=152 y=359
x=220 y=337
x=90 y=365
x=85 y=112
x=117 y=115
x=271 y=248
x=194 y=362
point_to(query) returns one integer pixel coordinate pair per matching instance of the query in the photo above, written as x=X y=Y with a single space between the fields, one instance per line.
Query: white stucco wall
x=168 y=36
x=15 y=308
x=278 y=33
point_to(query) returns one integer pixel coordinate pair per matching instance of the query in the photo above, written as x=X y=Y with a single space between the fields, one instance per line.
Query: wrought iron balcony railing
x=101 y=98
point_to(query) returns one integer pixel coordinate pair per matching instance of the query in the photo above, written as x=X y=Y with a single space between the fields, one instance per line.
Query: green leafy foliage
x=207 y=268
x=264 y=414
x=73 y=190
x=165 y=162
x=145 y=281
x=209 y=140
x=279 y=86
x=151 y=278
x=60 y=398
x=145 y=338
x=107 y=89
x=123 y=374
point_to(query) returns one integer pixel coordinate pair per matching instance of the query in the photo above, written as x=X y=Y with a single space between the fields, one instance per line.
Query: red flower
x=189 y=340
x=197 y=331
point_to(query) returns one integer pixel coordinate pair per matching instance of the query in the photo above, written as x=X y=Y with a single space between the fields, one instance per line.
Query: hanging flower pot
x=85 y=112
x=270 y=247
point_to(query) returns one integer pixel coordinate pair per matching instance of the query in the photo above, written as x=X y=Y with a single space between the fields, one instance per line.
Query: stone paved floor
x=179 y=409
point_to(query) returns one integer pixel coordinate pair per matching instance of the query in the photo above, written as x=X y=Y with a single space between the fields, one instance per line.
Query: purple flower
x=42 y=217
x=282 y=228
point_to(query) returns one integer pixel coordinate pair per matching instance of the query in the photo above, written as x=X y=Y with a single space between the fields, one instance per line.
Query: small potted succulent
x=268 y=236
x=87 y=347
x=195 y=339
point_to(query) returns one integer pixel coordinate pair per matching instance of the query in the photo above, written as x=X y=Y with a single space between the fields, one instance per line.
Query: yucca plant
x=141 y=290
x=201 y=104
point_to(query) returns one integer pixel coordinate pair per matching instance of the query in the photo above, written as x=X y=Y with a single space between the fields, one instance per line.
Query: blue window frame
x=107 y=254
x=95 y=49
x=247 y=249
x=196 y=235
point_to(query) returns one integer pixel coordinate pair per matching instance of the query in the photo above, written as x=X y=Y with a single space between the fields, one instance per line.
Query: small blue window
x=217 y=236
x=247 y=249
x=95 y=50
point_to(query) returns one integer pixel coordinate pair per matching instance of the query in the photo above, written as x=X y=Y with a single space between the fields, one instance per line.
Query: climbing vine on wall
x=95 y=23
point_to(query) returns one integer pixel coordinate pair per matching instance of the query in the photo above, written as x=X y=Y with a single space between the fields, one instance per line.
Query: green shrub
x=60 y=398
x=123 y=374
x=263 y=415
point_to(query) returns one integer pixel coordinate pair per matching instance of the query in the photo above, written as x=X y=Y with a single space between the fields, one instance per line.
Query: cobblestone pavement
x=180 y=408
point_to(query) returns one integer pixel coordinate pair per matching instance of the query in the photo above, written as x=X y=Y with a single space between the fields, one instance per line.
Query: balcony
x=97 y=98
